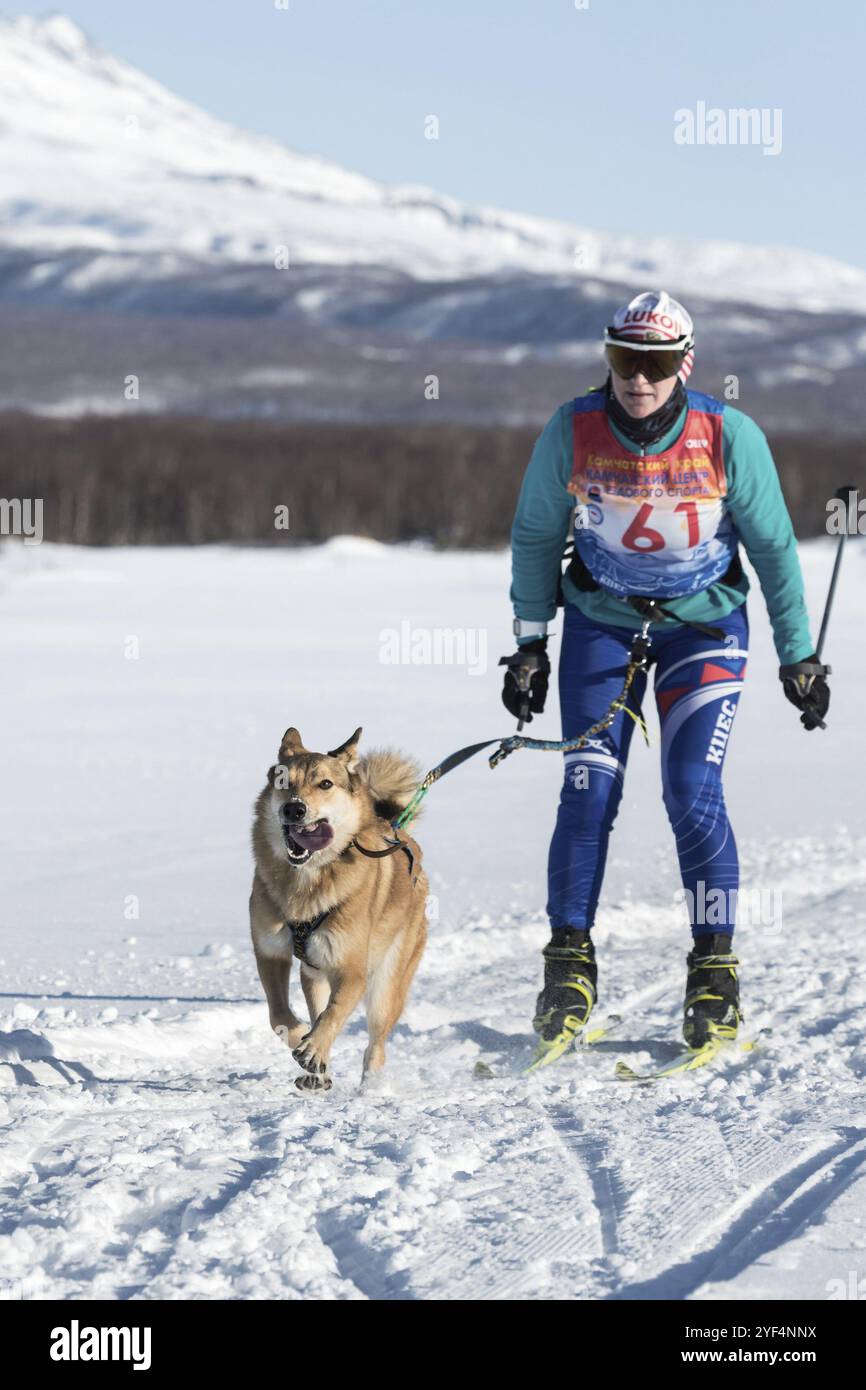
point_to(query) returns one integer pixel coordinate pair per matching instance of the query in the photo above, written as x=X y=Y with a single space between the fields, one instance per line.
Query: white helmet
x=654 y=321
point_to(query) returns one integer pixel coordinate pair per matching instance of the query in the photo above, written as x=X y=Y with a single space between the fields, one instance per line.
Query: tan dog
x=356 y=922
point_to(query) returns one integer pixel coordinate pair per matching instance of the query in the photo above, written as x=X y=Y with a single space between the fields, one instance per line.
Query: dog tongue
x=313 y=836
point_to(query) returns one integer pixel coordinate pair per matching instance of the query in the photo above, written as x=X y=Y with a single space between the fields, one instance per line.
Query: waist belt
x=645 y=605
x=582 y=579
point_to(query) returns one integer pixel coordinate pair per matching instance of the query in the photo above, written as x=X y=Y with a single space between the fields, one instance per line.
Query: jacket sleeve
x=758 y=510
x=541 y=524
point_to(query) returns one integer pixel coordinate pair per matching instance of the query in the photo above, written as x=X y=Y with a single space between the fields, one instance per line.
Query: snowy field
x=153 y=1142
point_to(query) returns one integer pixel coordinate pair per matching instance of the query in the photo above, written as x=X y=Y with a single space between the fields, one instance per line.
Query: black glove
x=525 y=688
x=805 y=686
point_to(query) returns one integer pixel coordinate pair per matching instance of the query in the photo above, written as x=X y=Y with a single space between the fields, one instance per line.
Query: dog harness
x=302 y=931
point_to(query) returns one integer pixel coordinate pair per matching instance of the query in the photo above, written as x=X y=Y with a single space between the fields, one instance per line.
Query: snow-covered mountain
x=97 y=158
x=117 y=196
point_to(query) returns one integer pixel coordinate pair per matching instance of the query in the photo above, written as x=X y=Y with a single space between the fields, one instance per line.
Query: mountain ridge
x=141 y=235
x=97 y=155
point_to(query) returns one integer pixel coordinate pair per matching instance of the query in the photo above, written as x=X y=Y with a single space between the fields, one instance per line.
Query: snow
x=98 y=156
x=153 y=1142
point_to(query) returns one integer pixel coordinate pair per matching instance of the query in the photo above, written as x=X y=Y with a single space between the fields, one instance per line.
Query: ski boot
x=566 y=1001
x=712 y=1007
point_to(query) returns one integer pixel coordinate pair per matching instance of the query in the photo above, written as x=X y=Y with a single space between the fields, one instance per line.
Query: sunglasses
x=656 y=364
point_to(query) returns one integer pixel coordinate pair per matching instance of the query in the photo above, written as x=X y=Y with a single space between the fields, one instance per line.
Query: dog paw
x=313 y=1083
x=309 y=1057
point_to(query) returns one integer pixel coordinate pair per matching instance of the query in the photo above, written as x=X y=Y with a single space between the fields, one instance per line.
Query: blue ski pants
x=697 y=682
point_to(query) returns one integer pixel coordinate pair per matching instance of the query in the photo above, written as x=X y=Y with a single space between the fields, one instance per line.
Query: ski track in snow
x=153 y=1142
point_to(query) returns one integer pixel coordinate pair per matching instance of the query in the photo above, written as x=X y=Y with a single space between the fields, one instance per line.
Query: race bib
x=652 y=524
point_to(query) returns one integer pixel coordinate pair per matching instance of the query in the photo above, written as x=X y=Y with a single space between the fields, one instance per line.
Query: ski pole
x=843 y=494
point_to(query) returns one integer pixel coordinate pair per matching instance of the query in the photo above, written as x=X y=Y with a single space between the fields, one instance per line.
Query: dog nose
x=294 y=811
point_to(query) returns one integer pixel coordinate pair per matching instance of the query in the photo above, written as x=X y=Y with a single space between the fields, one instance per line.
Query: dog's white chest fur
x=278 y=943
x=319 y=949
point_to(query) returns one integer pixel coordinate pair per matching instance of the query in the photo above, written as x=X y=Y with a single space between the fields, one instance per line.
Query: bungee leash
x=650 y=610
x=637 y=661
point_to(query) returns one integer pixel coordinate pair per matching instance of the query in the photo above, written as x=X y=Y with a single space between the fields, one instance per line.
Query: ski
x=690 y=1060
x=546 y=1054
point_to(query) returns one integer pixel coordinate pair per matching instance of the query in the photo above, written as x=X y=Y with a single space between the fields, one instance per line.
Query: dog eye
x=325 y=784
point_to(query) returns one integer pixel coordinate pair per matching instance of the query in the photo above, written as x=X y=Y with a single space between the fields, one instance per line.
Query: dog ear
x=292 y=743
x=348 y=751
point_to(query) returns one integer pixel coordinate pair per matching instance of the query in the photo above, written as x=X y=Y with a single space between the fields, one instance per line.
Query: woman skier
x=657 y=485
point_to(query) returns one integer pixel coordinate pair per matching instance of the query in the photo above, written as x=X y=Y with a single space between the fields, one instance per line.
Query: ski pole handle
x=844 y=495
x=524 y=681
x=522 y=667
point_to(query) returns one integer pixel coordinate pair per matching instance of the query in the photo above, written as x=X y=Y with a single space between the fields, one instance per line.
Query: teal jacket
x=542 y=526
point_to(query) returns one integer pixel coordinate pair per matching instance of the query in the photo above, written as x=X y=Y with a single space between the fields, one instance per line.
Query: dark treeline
x=170 y=481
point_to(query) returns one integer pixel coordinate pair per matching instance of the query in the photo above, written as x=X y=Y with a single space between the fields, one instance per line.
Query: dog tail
x=392 y=779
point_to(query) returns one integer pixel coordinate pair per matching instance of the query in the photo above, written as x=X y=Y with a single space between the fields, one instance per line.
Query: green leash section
x=447 y=765
x=510 y=745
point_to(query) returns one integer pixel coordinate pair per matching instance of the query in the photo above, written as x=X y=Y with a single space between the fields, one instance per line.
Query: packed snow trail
x=153 y=1143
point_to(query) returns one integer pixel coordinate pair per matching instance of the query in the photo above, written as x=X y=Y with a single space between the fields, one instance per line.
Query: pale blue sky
x=543 y=107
